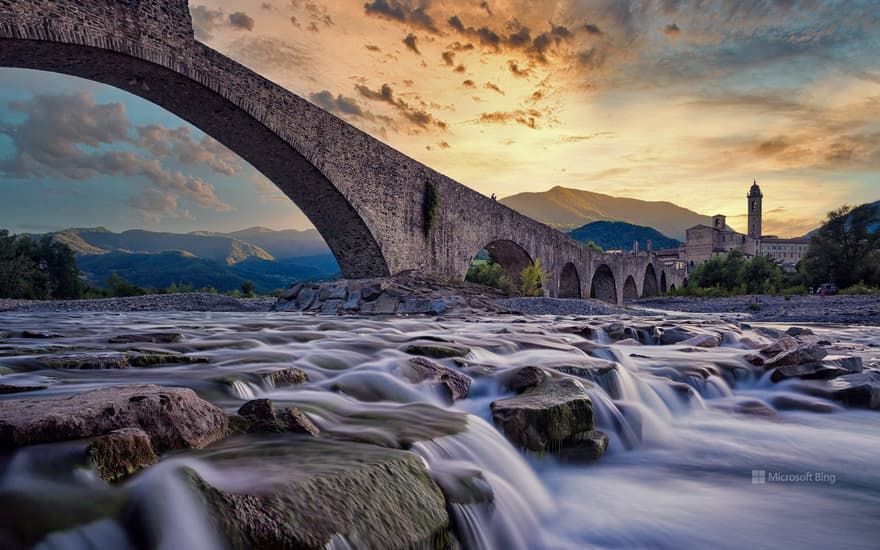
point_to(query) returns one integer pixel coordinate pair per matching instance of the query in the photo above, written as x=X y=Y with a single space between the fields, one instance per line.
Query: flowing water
x=689 y=433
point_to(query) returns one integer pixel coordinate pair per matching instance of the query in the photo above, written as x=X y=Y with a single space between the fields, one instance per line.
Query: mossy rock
x=305 y=494
x=121 y=453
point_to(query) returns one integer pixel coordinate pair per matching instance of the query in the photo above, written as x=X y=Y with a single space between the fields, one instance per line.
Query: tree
x=532 y=279
x=846 y=249
x=247 y=288
x=594 y=246
x=37 y=270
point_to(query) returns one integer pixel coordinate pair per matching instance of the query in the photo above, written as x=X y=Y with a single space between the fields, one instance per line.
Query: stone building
x=704 y=241
x=788 y=252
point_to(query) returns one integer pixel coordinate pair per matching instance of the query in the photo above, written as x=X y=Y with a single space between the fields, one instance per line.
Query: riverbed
x=704 y=449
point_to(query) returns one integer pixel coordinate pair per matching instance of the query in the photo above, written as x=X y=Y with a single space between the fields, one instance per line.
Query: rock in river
x=457 y=384
x=305 y=495
x=174 y=418
x=555 y=415
x=121 y=453
x=260 y=415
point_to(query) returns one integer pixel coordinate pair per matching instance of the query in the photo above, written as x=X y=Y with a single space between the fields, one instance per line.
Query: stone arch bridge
x=370 y=202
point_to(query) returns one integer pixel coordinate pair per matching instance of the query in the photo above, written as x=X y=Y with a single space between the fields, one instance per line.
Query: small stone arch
x=663 y=287
x=509 y=255
x=569 y=282
x=604 y=287
x=649 y=286
x=630 y=290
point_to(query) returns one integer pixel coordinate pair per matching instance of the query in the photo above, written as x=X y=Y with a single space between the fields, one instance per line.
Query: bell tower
x=756 y=199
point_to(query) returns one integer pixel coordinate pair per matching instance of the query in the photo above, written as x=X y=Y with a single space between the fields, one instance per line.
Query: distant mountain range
x=622 y=235
x=269 y=259
x=567 y=209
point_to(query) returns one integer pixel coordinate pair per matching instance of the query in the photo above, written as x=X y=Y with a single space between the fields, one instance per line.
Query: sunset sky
x=657 y=100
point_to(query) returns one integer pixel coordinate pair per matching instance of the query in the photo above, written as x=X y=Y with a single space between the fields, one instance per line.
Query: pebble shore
x=854 y=310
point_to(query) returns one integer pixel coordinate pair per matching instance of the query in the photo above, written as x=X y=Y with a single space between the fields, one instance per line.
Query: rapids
x=682 y=468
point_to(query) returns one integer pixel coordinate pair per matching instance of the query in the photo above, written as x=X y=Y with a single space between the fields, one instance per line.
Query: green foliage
x=794 y=290
x=247 y=289
x=37 y=269
x=432 y=205
x=489 y=273
x=594 y=246
x=117 y=287
x=532 y=279
x=859 y=289
x=846 y=249
x=733 y=275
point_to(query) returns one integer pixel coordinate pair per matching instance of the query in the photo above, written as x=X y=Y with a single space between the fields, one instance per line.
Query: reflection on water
x=678 y=474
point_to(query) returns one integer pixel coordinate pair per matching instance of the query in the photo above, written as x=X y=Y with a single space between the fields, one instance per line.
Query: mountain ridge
x=567 y=208
x=621 y=235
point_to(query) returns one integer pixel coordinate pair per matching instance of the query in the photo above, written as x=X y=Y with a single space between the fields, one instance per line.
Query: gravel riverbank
x=852 y=310
x=152 y=302
x=857 y=310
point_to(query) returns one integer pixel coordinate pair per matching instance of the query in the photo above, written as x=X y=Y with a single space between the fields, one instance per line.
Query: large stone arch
x=509 y=255
x=663 y=287
x=569 y=282
x=603 y=286
x=630 y=289
x=347 y=233
x=649 y=285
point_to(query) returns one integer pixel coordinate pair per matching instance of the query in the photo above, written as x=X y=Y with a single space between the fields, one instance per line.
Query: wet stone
x=150 y=338
x=456 y=384
x=438 y=351
x=121 y=453
x=542 y=418
x=524 y=379
x=174 y=418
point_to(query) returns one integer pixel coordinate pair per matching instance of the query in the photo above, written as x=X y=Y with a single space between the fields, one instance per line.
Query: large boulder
x=174 y=418
x=305 y=496
x=456 y=384
x=555 y=415
x=121 y=453
x=438 y=351
x=857 y=390
x=831 y=367
x=675 y=335
x=788 y=350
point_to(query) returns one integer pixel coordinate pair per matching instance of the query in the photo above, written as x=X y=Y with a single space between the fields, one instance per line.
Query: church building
x=704 y=241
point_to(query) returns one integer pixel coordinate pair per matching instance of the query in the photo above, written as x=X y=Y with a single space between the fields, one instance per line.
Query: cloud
x=73 y=138
x=419 y=117
x=206 y=21
x=592 y=29
x=526 y=117
x=517 y=71
x=493 y=87
x=448 y=58
x=241 y=20
x=262 y=53
x=411 y=42
x=339 y=105
x=469 y=84
x=671 y=30
x=485 y=6
x=402 y=11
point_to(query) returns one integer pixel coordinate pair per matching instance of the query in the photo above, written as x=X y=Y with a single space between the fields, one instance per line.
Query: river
x=721 y=468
